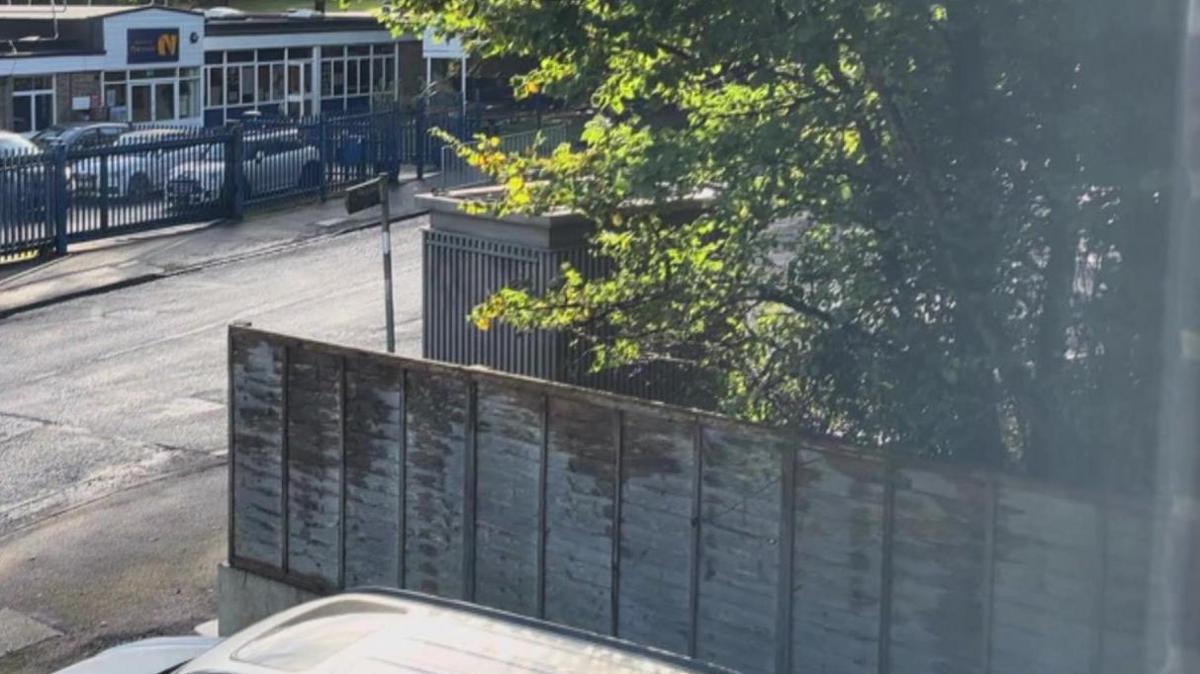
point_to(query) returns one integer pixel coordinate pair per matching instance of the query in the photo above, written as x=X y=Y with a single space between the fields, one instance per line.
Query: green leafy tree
x=931 y=226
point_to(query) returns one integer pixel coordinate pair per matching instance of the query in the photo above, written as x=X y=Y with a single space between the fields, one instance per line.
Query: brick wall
x=69 y=86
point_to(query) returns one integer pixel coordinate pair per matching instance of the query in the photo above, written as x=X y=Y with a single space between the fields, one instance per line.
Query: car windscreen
x=49 y=135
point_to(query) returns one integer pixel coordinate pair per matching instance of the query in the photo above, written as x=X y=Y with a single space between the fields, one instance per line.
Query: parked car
x=393 y=631
x=81 y=135
x=23 y=187
x=132 y=173
x=274 y=161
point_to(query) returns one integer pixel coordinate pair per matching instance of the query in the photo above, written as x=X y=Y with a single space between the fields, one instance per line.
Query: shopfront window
x=141 y=108
x=271 y=81
x=277 y=81
x=247 y=85
x=189 y=98
x=352 y=76
x=216 y=87
x=32 y=103
x=281 y=81
x=161 y=95
x=339 y=78
x=233 y=84
x=164 y=101
x=264 y=84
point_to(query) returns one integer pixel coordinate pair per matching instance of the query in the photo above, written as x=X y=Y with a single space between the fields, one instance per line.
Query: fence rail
x=753 y=547
x=456 y=171
x=157 y=176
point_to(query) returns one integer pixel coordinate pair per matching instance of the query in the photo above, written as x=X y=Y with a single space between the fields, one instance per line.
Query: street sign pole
x=385 y=224
x=374 y=192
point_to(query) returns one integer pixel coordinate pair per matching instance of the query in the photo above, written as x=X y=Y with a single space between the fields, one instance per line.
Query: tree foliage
x=932 y=226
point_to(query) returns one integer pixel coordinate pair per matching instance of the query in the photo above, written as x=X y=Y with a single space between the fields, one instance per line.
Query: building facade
x=157 y=64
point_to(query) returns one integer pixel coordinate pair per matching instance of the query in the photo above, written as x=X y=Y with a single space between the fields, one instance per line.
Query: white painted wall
x=116 y=31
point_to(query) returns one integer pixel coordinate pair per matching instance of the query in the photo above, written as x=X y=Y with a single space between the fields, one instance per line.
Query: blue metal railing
x=26 y=201
x=159 y=176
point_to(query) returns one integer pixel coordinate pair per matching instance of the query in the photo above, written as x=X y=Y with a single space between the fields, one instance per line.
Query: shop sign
x=152 y=45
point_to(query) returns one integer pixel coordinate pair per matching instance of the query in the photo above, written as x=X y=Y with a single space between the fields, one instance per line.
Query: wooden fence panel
x=507 y=498
x=374 y=440
x=658 y=467
x=314 y=437
x=580 y=483
x=940 y=577
x=836 y=589
x=436 y=430
x=756 y=549
x=257 y=516
x=739 y=529
x=1046 y=586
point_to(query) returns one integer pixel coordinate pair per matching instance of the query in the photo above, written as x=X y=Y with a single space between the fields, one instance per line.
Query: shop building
x=157 y=64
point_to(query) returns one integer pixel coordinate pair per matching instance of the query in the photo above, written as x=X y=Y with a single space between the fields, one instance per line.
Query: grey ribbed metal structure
x=467 y=258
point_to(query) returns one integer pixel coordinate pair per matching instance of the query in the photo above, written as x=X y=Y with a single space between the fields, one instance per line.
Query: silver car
x=136 y=170
x=274 y=162
x=393 y=631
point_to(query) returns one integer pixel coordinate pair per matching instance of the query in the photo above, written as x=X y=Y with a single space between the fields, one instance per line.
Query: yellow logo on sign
x=168 y=44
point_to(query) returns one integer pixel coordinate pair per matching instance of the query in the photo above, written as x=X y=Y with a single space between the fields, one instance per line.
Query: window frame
x=40 y=91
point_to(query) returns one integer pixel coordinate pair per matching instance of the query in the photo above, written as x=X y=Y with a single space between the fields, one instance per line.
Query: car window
x=108 y=135
x=88 y=138
x=49 y=135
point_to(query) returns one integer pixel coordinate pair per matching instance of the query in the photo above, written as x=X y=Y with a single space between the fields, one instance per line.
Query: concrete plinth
x=244 y=598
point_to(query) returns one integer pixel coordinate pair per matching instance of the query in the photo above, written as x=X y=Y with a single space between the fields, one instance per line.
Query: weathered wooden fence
x=751 y=547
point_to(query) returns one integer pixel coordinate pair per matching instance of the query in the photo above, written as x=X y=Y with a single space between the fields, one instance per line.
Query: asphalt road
x=104 y=392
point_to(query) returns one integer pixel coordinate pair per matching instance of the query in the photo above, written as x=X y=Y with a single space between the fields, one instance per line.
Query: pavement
x=113 y=417
x=79 y=594
x=124 y=261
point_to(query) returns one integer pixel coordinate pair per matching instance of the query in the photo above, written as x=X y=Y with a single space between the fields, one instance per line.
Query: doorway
x=152 y=101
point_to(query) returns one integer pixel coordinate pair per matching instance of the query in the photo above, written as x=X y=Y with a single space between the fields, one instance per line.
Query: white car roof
x=406 y=633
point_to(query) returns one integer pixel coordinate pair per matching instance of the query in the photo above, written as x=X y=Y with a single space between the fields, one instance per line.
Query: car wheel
x=140 y=188
x=310 y=176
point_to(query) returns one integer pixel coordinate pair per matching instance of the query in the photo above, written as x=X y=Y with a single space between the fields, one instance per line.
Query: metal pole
x=463 y=68
x=59 y=201
x=385 y=224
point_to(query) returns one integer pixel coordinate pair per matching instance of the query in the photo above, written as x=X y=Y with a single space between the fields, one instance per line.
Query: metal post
x=420 y=139
x=59 y=202
x=385 y=224
x=323 y=156
x=464 y=88
x=235 y=180
x=103 y=187
x=392 y=138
